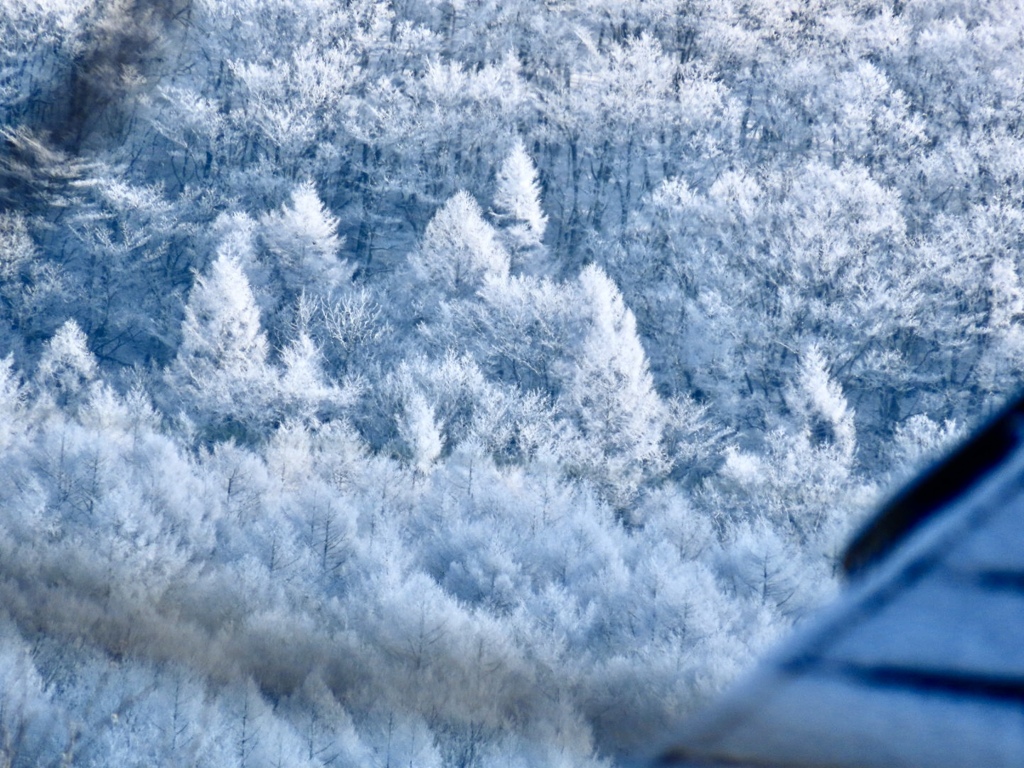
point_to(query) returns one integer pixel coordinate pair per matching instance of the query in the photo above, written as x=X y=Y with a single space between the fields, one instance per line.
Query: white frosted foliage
x=611 y=393
x=16 y=247
x=308 y=216
x=222 y=322
x=303 y=237
x=419 y=431
x=517 y=199
x=220 y=373
x=67 y=365
x=12 y=401
x=302 y=368
x=822 y=402
x=459 y=249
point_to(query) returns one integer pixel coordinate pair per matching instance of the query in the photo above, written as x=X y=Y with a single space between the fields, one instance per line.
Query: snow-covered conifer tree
x=67 y=367
x=517 y=207
x=419 y=431
x=220 y=376
x=458 y=250
x=303 y=239
x=609 y=394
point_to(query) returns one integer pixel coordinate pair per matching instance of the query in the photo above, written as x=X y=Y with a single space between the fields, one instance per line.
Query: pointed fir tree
x=517 y=207
x=458 y=252
x=220 y=376
x=67 y=367
x=609 y=396
x=304 y=243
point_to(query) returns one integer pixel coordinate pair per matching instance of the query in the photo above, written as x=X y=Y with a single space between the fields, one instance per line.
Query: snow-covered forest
x=470 y=382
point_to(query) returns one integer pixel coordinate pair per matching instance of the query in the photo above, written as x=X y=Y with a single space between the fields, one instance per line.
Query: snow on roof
x=921 y=661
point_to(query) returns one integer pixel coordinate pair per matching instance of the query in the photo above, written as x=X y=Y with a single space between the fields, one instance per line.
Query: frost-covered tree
x=220 y=376
x=518 y=208
x=819 y=403
x=32 y=291
x=419 y=432
x=12 y=403
x=303 y=256
x=802 y=483
x=1001 y=363
x=609 y=396
x=67 y=367
x=458 y=251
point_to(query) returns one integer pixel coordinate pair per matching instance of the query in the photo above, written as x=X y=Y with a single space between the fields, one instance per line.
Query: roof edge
x=947 y=480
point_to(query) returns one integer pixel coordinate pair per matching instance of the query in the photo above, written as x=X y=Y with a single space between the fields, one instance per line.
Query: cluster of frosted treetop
x=470 y=383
